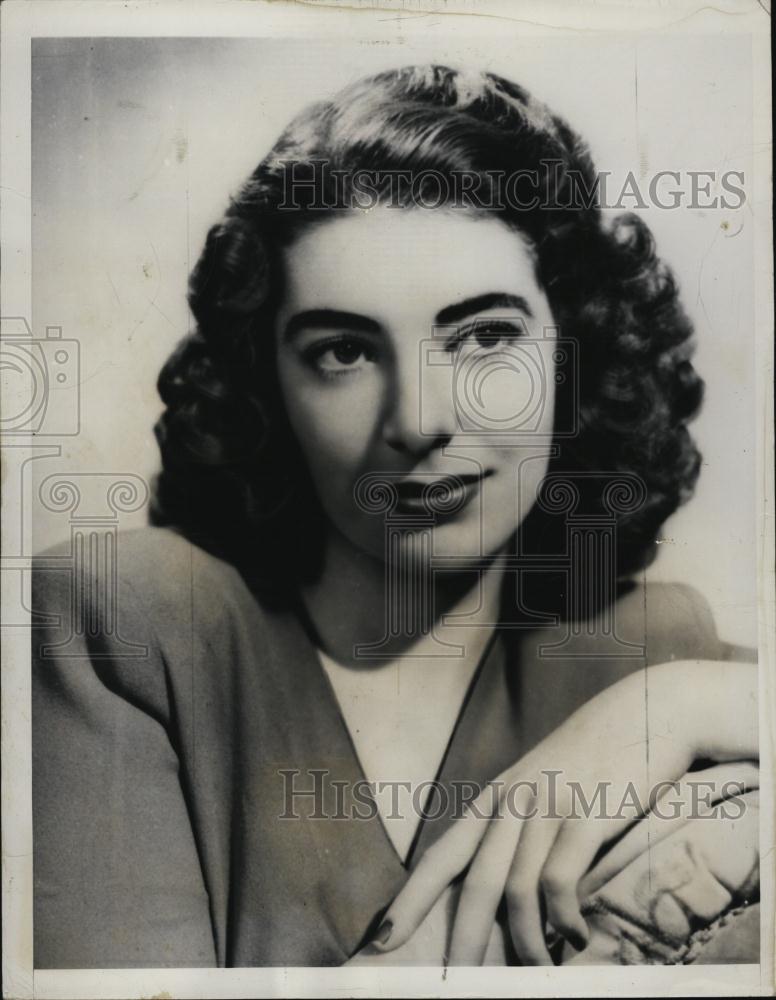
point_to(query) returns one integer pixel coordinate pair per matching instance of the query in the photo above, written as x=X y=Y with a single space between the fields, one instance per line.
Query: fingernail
x=383 y=932
x=576 y=940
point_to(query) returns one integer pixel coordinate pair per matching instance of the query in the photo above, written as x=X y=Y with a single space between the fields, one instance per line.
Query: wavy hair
x=232 y=477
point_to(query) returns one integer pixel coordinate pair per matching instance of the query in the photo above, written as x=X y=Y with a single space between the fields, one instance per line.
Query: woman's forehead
x=389 y=259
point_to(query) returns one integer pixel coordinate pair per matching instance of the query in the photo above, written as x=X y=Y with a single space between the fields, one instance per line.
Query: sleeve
x=117 y=878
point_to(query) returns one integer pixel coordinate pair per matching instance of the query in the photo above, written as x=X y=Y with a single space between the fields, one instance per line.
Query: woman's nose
x=420 y=415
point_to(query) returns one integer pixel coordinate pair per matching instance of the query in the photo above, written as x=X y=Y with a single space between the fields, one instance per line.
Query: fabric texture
x=172 y=723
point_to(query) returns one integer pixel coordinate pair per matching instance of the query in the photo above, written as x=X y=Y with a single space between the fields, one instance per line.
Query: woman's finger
x=563 y=881
x=483 y=888
x=571 y=855
x=523 y=894
x=679 y=802
x=440 y=864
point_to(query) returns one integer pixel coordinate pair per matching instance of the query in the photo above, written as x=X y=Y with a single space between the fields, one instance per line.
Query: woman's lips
x=443 y=497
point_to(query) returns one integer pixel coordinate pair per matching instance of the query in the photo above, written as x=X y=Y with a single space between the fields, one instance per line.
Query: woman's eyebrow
x=479 y=303
x=329 y=319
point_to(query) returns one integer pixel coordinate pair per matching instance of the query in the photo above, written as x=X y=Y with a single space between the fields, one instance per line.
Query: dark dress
x=160 y=734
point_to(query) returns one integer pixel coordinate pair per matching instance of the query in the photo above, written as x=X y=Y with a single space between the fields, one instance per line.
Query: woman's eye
x=488 y=336
x=494 y=334
x=346 y=353
x=339 y=357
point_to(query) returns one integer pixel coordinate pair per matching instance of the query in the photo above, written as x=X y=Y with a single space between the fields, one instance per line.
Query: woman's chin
x=451 y=540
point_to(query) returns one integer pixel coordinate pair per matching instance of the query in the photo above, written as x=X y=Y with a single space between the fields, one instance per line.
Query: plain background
x=137 y=144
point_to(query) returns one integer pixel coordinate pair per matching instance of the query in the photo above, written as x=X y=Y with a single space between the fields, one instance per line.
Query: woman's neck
x=350 y=608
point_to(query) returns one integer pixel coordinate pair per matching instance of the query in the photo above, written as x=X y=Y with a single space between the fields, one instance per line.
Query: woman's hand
x=534 y=832
x=679 y=890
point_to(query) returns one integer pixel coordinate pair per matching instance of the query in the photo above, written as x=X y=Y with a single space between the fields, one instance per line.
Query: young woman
x=419 y=446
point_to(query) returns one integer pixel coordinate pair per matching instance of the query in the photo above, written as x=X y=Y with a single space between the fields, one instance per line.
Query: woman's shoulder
x=648 y=624
x=150 y=575
x=673 y=615
x=154 y=558
x=672 y=620
x=649 y=621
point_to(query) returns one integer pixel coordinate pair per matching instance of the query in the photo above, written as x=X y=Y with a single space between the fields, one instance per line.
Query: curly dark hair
x=232 y=477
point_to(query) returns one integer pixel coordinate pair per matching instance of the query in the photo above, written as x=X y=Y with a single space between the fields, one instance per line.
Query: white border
x=24 y=19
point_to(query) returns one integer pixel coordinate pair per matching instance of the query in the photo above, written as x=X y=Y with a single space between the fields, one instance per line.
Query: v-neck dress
x=197 y=800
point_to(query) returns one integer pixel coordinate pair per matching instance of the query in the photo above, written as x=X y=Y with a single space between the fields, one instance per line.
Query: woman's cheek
x=334 y=425
x=528 y=467
x=530 y=483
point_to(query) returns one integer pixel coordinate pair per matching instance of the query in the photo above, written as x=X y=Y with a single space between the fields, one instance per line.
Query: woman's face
x=415 y=345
